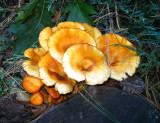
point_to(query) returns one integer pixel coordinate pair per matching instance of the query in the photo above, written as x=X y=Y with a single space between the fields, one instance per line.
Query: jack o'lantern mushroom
x=86 y=62
x=121 y=54
x=31 y=66
x=63 y=38
x=52 y=73
x=51 y=64
x=32 y=84
x=64 y=84
x=52 y=92
x=36 y=99
x=44 y=37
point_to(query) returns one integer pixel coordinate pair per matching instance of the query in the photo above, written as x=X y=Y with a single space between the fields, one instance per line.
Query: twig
x=8 y=19
x=117 y=19
x=120 y=30
x=147 y=92
x=110 y=21
x=98 y=19
x=20 y=3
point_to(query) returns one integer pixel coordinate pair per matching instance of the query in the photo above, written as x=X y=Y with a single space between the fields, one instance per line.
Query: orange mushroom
x=121 y=54
x=32 y=84
x=52 y=92
x=64 y=84
x=31 y=66
x=44 y=37
x=34 y=54
x=52 y=73
x=86 y=62
x=63 y=38
x=93 y=31
x=50 y=63
x=69 y=24
x=48 y=69
x=36 y=99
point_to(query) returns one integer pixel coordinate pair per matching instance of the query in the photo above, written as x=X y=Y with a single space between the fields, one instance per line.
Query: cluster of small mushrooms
x=73 y=52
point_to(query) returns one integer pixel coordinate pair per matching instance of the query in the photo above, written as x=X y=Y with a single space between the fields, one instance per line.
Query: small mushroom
x=86 y=62
x=32 y=84
x=63 y=38
x=121 y=54
x=52 y=92
x=36 y=99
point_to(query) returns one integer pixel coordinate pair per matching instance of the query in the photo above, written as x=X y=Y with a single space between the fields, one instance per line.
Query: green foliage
x=26 y=35
x=79 y=12
x=35 y=17
x=50 y=4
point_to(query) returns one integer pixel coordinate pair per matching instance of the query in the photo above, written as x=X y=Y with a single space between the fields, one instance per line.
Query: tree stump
x=127 y=108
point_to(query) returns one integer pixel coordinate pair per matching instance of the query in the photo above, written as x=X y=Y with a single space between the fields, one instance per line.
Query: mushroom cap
x=44 y=37
x=63 y=38
x=69 y=24
x=54 y=29
x=31 y=68
x=29 y=53
x=64 y=85
x=52 y=92
x=40 y=51
x=93 y=31
x=34 y=54
x=51 y=64
x=32 y=84
x=86 y=62
x=121 y=60
x=48 y=78
x=36 y=99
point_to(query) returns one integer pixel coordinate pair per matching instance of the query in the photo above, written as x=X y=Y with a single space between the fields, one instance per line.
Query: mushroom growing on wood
x=52 y=73
x=48 y=69
x=44 y=37
x=32 y=84
x=63 y=38
x=86 y=62
x=64 y=84
x=52 y=92
x=121 y=54
x=31 y=66
x=36 y=99
x=51 y=64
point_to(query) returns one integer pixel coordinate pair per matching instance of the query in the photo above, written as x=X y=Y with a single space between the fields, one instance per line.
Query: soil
x=13 y=111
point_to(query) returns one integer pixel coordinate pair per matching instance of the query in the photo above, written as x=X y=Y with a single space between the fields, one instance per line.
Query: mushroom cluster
x=73 y=52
